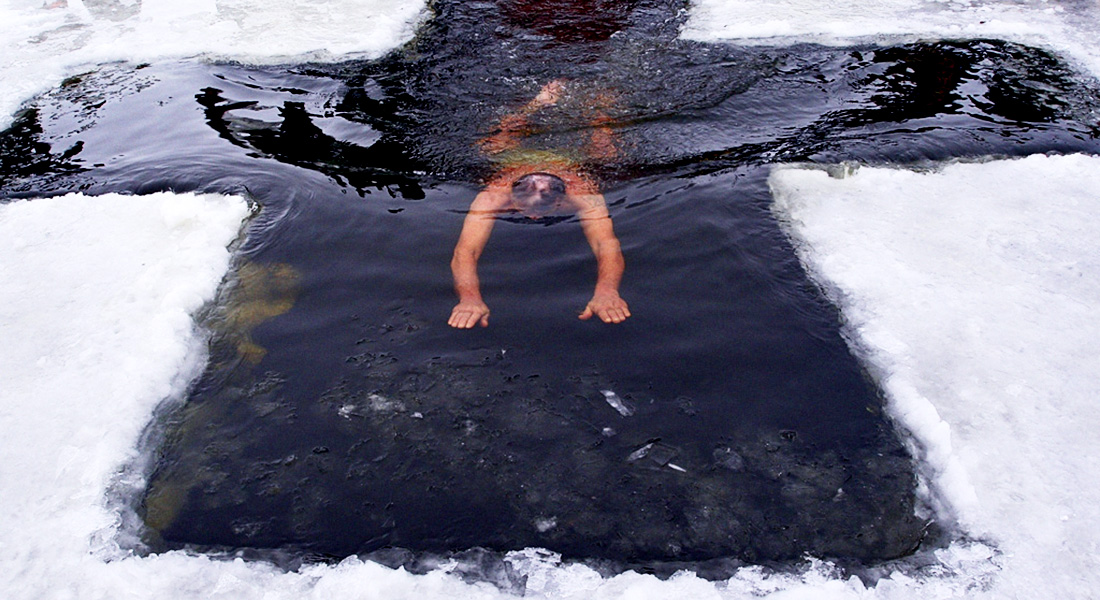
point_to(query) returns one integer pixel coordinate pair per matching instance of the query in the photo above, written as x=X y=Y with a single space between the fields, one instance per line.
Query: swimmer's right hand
x=469 y=313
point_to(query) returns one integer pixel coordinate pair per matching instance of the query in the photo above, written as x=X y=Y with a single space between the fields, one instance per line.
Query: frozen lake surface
x=966 y=288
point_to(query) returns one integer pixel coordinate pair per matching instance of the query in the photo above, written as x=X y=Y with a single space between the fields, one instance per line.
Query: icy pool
x=949 y=280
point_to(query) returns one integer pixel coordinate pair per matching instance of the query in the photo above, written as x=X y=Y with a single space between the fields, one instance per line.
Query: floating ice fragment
x=676 y=467
x=617 y=403
x=546 y=524
x=608 y=432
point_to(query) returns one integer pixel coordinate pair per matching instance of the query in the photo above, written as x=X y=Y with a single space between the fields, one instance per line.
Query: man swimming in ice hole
x=536 y=183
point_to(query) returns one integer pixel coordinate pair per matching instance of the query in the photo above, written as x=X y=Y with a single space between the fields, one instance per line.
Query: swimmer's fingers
x=466 y=320
x=614 y=315
x=457 y=320
x=610 y=309
x=465 y=316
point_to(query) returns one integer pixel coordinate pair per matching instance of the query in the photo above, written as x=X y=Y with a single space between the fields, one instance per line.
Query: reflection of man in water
x=537 y=183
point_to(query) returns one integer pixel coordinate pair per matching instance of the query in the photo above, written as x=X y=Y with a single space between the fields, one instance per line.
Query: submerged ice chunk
x=655 y=453
x=360 y=407
x=640 y=453
x=728 y=459
x=617 y=403
x=380 y=403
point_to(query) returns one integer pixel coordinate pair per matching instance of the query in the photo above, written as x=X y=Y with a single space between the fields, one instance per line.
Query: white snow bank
x=96 y=298
x=974 y=293
x=1065 y=26
x=40 y=46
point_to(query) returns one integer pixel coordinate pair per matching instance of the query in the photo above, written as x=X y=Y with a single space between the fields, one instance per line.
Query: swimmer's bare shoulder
x=495 y=197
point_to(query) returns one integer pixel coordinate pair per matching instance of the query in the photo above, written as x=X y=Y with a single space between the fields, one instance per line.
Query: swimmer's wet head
x=538 y=194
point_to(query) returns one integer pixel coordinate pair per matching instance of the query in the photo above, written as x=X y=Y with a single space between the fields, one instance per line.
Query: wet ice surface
x=913 y=102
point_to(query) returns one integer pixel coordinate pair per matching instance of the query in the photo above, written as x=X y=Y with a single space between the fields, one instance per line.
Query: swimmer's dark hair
x=539 y=190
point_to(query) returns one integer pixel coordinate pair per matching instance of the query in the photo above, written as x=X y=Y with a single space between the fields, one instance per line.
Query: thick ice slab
x=973 y=292
x=1064 y=26
x=42 y=45
x=96 y=297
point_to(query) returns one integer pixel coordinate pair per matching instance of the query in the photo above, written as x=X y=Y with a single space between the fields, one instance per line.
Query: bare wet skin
x=725 y=420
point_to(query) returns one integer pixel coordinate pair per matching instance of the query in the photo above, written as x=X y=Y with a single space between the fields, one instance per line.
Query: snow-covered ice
x=1065 y=26
x=973 y=293
x=40 y=46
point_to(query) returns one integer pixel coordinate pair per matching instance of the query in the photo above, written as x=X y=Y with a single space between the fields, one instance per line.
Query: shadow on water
x=725 y=422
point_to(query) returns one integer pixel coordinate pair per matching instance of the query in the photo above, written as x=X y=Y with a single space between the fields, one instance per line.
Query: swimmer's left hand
x=608 y=306
x=549 y=94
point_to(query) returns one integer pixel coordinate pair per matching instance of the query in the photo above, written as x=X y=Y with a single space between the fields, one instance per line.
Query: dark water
x=340 y=415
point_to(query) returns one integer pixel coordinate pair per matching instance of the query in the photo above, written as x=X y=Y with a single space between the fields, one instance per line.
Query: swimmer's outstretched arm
x=471 y=309
x=596 y=222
